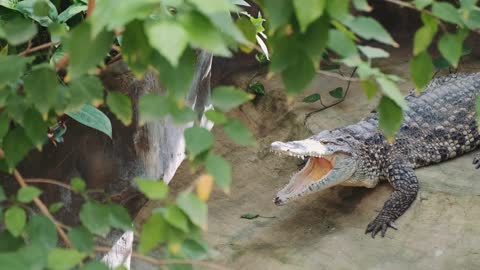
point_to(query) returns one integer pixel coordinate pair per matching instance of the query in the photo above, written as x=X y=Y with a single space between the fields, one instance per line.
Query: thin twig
x=337 y=76
x=39 y=48
x=49 y=181
x=90 y=7
x=157 y=262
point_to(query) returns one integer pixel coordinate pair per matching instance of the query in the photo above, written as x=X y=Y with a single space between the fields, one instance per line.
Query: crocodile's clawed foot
x=476 y=161
x=380 y=224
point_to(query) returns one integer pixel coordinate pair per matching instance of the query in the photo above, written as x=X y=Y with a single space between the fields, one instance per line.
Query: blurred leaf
x=372 y=52
x=278 y=12
x=28 y=193
x=71 y=11
x=55 y=207
x=257 y=88
x=228 y=97
x=81 y=239
x=362 y=5
x=441 y=63
x=121 y=106
x=338 y=9
x=169 y=38
x=390 y=117
x=175 y=217
x=153 y=107
x=15 y=220
x=85 y=51
x=213 y=6
x=446 y=12
x=153 y=189
x=19 y=30
x=451 y=46
x=119 y=217
x=95 y=265
x=312 y=98
x=195 y=208
x=136 y=49
x=42 y=11
x=11 y=68
x=370 y=88
x=95 y=217
x=217 y=117
x=421 y=4
x=424 y=35
x=4 y=125
x=204 y=186
x=35 y=127
x=308 y=11
x=94 y=118
x=250 y=216
x=472 y=20
x=41 y=87
x=8 y=242
x=78 y=185
x=299 y=74
x=390 y=89
x=2 y=195
x=341 y=44
x=198 y=140
x=315 y=38
x=369 y=28
x=337 y=93
x=247 y=28
x=84 y=90
x=154 y=231
x=202 y=34
x=221 y=171
x=16 y=146
x=422 y=69
x=11 y=4
x=239 y=133
x=64 y=259
x=42 y=231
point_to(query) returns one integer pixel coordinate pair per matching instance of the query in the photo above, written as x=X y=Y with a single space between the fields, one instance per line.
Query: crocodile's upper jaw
x=325 y=168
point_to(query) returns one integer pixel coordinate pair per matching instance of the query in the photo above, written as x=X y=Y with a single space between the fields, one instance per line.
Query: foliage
x=51 y=53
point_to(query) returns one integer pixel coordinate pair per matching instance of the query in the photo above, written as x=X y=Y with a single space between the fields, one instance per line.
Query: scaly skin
x=440 y=124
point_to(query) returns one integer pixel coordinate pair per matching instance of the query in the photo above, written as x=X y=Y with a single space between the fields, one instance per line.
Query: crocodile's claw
x=380 y=224
x=476 y=161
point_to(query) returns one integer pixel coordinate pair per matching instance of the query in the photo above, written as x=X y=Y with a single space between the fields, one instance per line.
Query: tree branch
x=38 y=48
x=338 y=76
x=48 y=181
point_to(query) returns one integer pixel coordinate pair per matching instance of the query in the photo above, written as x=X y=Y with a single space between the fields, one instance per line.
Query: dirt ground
x=325 y=230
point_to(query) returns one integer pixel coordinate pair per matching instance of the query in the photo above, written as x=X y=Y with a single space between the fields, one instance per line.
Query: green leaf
x=95 y=217
x=228 y=97
x=136 y=49
x=369 y=28
x=121 y=106
x=338 y=9
x=78 y=185
x=15 y=220
x=16 y=146
x=178 y=80
x=221 y=171
x=85 y=51
x=362 y=5
x=153 y=107
x=154 y=232
x=95 y=265
x=421 y=4
x=71 y=11
x=169 y=38
x=9 y=243
x=94 y=118
x=390 y=117
x=424 y=35
x=451 y=46
x=446 y=12
x=422 y=69
x=176 y=218
x=299 y=74
x=372 y=52
x=195 y=208
x=307 y=11
x=217 y=117
x=42 y=11
x=340 y=43
x=315 y=38
x=213 y=6
x=42 y=231
x=390 y=89
x=2 y=195
x=370 y=88
x=11 y=4
x=11 y=68
x=153 y=189
x=84 y=90
x=250 y=216
x=337 y=92
x=198 y=140
x=28 y=193
x=17 y=105
x=257 y=88
x=41 y=87
x=35 y=127
x=248 y=29
x=472 y=19
x=19 y=30
x=4 y=124
x=119 y=217
x=239 y=133
x=278 y=12
x=81 y=239
x=203 y=34
x=64 y=259
x=55 y=207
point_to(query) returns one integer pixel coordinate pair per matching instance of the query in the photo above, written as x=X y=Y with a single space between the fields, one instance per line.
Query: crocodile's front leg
x=476 y=161
x=401 y=176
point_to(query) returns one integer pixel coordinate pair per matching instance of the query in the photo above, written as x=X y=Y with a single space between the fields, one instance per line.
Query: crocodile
x=440 y=123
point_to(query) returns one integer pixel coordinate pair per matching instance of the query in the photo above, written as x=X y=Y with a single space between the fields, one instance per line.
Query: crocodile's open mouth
x=320 y=171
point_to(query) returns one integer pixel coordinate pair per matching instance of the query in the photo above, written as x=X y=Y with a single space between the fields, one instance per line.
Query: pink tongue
x=315 y=169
